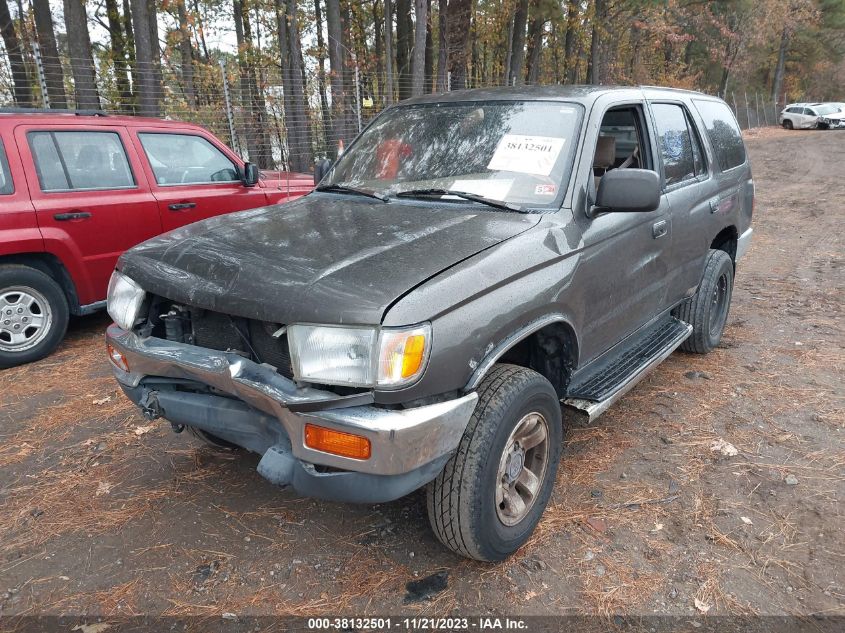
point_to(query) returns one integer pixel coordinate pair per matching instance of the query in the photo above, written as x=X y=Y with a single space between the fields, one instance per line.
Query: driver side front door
x=191 y=178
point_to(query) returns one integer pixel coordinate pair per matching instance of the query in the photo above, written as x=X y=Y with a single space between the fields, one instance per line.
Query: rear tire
x=787 y=124
x=483 y=504
x=33 y=315
x=707 y=310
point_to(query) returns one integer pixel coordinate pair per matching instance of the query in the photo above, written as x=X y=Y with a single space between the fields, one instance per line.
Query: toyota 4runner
x=477 y=268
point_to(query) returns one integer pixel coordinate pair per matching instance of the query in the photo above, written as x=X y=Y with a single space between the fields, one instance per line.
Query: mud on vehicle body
x=475 y=270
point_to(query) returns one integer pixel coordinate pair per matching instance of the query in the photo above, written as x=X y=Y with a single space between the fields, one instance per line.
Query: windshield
x=826 y=109
x=518 y=152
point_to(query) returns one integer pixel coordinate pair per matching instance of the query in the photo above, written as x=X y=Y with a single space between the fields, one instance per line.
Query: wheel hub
x=522 y=468
x=25 y=319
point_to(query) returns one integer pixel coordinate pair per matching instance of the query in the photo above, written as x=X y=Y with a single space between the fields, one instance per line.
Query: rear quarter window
x=723 y=132
x=6 y=186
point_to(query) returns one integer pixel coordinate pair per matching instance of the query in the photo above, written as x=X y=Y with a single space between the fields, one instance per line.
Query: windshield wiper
x=424 y=193
x=358 y=192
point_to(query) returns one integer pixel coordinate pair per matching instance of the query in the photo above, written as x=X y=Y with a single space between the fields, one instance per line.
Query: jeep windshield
x=516 y=152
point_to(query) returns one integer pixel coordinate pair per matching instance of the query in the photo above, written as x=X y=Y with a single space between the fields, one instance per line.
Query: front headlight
x=125 y=298
x=359 y=356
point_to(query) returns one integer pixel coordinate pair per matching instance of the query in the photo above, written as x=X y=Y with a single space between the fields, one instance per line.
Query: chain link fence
x=246 y=105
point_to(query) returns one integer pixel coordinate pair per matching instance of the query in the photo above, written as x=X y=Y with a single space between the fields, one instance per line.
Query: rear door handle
x=73 y=215
x=181 y=206
x=659 y=229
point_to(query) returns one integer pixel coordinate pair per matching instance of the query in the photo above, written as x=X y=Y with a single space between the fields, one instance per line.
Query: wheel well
x=49 y=265
x=726 y=241
x=551 y=351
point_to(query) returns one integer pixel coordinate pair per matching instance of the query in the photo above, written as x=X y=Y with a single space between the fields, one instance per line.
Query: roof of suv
x=84 y=117
x=579 y=93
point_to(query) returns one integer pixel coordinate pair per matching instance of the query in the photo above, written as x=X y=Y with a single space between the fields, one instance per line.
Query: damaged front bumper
x=255 y=407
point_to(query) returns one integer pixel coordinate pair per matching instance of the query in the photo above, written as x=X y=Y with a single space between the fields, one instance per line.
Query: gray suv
x=475 y=270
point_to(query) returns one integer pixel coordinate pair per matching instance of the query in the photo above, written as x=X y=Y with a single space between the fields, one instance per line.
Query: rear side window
x=67 y=161
x=723 y=132
x=182 y=159
x=6 y=185
x=794 y=110
x=678 y=144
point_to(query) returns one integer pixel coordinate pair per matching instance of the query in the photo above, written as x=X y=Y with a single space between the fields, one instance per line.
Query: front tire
x=217 y=443
x=33 y=315
x=490 y=495
x=707 y=310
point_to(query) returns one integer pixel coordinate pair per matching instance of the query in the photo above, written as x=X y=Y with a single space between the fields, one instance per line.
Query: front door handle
x=659 y=229
x=73 y=215
x=181 y=206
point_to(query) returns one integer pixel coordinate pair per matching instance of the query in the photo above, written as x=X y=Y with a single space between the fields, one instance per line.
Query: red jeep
x=77 y=189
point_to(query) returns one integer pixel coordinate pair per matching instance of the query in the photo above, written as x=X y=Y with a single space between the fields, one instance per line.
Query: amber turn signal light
x=336 y=442
x=117 y=358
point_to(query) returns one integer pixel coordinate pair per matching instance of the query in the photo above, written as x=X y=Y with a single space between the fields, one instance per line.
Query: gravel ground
x=714 y=487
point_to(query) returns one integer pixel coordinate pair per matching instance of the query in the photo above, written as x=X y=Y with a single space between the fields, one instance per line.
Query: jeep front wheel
x=491 y=494
x=33 y=315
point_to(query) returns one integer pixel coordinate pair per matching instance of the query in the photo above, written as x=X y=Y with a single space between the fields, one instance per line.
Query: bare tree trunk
x=155 y=47
x=81 y=58
x=118 y=54
x=378 y=49
x=517 y=67
x=535 y=41
x=53 y=74
x=147 y=90
x=201 y=32
x=594 y=74
x=388 y=49
x=304 y=153
x=337 y=61
x=418 y=66
x=460 y=15
x=186 y=52
x=20 y=79
x=570 y=61
x=258 y=142
x=403 y=46
x=442 y=44
x=429 y=51
x=777 y=84
x=325 y=114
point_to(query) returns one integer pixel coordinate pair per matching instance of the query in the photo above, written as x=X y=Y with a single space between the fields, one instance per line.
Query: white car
x=811 y=115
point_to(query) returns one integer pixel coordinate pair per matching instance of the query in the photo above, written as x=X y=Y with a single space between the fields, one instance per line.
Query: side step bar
x=591 y=395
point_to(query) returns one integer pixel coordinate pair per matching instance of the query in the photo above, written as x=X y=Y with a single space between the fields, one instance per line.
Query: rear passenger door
x=684 y=176
x=192 y=178
x=91 y=201
x=18 y=228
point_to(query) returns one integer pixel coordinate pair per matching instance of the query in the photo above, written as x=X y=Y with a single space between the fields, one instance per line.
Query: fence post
x=228 y=100
x=747 y=109
x=42 y=79
x=757 y=107
x=449 y=81
x=733 y=100
x=358 y=97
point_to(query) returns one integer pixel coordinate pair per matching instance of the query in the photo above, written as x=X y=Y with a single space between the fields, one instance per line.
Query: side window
x=80 y=160
x=179 y=159
x=723 y=132
x=809 y=112
x=6 y=185
x=675 y=143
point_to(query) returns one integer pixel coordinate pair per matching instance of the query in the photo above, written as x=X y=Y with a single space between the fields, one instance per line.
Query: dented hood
x=324 y=258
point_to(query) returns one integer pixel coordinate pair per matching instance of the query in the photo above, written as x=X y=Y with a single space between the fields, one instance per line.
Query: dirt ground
x=103 y=513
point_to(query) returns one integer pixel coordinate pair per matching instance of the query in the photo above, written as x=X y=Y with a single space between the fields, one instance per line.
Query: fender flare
x=512 y=339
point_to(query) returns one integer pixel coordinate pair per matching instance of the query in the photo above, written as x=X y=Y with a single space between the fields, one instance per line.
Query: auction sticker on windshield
x=526 y=154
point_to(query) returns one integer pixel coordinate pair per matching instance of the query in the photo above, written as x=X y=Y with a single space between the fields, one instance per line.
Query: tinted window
x=723 y=132
x=6 y=185
x=185 y=159
x=80 y=160
x=809 y=112
x=676 y=143
x=794 y=110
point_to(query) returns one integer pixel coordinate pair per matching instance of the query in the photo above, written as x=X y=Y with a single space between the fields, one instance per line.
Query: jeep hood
x=324 y=258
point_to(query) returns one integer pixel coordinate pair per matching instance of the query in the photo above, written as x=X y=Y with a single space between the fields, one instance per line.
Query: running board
x=591 y=395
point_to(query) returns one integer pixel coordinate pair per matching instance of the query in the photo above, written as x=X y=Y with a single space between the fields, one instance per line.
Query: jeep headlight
x=359 y=356
x=125 y=299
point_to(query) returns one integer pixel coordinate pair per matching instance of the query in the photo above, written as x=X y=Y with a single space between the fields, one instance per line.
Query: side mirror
x=628 y=191
x=321 y=168
x=250 y=175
